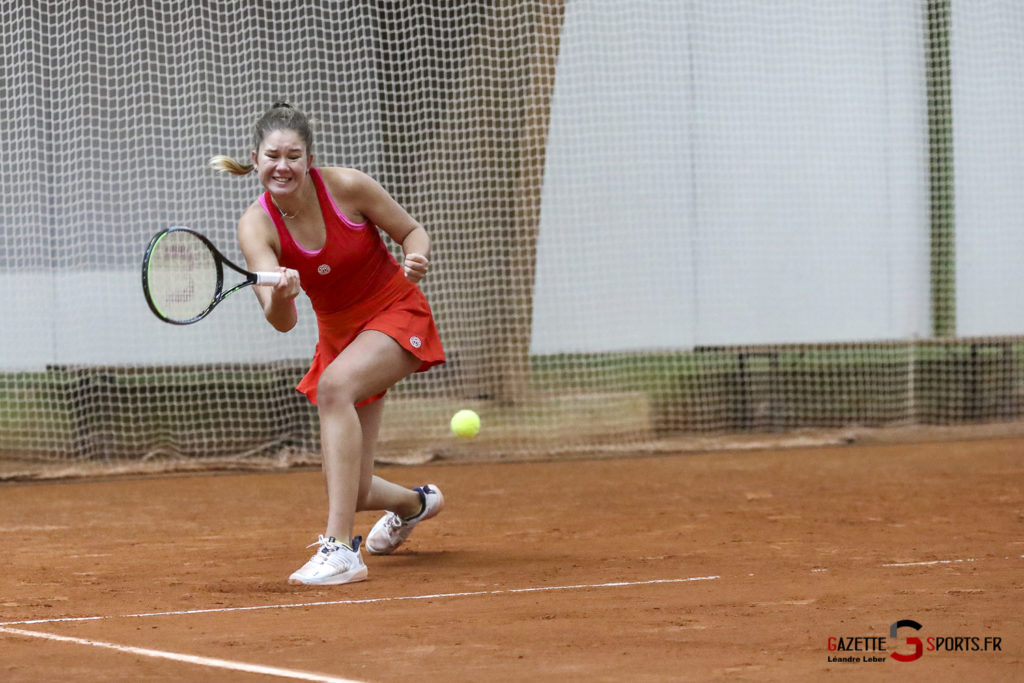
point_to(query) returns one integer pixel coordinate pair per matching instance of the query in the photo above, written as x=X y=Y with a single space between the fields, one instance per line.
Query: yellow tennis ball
x=465 y=424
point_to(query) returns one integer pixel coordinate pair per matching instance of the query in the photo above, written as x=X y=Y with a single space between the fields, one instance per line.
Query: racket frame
x=219 y=259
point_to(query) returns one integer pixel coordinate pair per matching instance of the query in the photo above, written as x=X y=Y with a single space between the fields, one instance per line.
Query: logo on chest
x=324 y=269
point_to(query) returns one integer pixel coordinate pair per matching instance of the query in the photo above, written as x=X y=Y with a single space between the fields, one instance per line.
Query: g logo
x=916 y=642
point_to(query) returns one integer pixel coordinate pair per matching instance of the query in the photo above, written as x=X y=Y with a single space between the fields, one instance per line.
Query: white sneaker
x=332 y=564
x=391 y=530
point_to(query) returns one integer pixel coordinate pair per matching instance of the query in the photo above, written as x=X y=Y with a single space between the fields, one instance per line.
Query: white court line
x=363 y=601
x=929 y=563
x=288 y=673
x=188 y=659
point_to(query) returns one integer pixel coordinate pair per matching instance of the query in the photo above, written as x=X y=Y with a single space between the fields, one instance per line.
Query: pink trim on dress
x=334 y=205
x=282 y=229
x=321 y=188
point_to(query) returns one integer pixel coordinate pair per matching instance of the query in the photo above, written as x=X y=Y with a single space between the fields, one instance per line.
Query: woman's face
x=282 y=162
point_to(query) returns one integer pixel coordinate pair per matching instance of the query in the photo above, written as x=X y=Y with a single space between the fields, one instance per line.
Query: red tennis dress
x=355 y=284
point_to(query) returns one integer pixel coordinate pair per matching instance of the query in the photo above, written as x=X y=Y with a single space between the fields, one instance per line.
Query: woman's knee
x=335 y=389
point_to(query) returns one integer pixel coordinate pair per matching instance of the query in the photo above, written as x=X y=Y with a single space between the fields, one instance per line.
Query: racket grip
x=267 y=278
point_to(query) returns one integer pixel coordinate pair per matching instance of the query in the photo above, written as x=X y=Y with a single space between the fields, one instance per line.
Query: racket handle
x=266 y=278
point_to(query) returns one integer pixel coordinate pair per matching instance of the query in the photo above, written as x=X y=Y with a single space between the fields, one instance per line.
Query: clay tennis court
x=701 y=566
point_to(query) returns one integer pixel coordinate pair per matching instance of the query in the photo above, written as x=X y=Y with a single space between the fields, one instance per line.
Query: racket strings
x=182 y=276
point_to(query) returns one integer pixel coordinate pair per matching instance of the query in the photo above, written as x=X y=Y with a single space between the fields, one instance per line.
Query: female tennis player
x=318 y=228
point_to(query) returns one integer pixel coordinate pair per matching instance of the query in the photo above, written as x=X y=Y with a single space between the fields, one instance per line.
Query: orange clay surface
x=699 y=567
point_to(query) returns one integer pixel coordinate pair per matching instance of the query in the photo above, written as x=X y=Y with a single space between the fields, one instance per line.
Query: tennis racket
x=183 y=276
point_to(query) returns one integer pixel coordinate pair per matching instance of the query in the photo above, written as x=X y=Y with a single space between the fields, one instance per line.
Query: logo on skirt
x=415 y=342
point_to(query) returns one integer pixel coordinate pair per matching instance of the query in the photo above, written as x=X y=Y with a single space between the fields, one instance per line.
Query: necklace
x=283 y=212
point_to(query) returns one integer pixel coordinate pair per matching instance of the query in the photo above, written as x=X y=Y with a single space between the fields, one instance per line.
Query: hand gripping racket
x=183 y=276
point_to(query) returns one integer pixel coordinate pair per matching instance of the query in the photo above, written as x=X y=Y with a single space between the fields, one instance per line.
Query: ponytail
x=225 y=164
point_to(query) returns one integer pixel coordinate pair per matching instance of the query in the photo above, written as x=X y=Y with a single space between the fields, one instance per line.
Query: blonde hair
x=226 y=164
x=281 y=116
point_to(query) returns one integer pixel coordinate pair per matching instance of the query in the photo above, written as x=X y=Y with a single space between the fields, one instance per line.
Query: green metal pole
x=940 y=169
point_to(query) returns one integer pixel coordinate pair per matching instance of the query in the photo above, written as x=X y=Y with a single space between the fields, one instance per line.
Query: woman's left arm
x=374 y=202
x=416 y=247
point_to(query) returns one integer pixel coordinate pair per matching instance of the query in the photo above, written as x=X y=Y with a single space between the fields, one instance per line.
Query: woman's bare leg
x=372 y=363
x=376 y=493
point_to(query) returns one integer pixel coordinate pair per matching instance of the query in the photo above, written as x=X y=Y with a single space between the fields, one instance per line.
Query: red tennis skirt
x=398 y=309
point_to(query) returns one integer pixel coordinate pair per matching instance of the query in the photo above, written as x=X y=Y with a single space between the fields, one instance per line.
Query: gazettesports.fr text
x=931 y=644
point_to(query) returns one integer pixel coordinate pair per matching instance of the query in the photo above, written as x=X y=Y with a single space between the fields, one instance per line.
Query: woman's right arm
x=257 y=239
